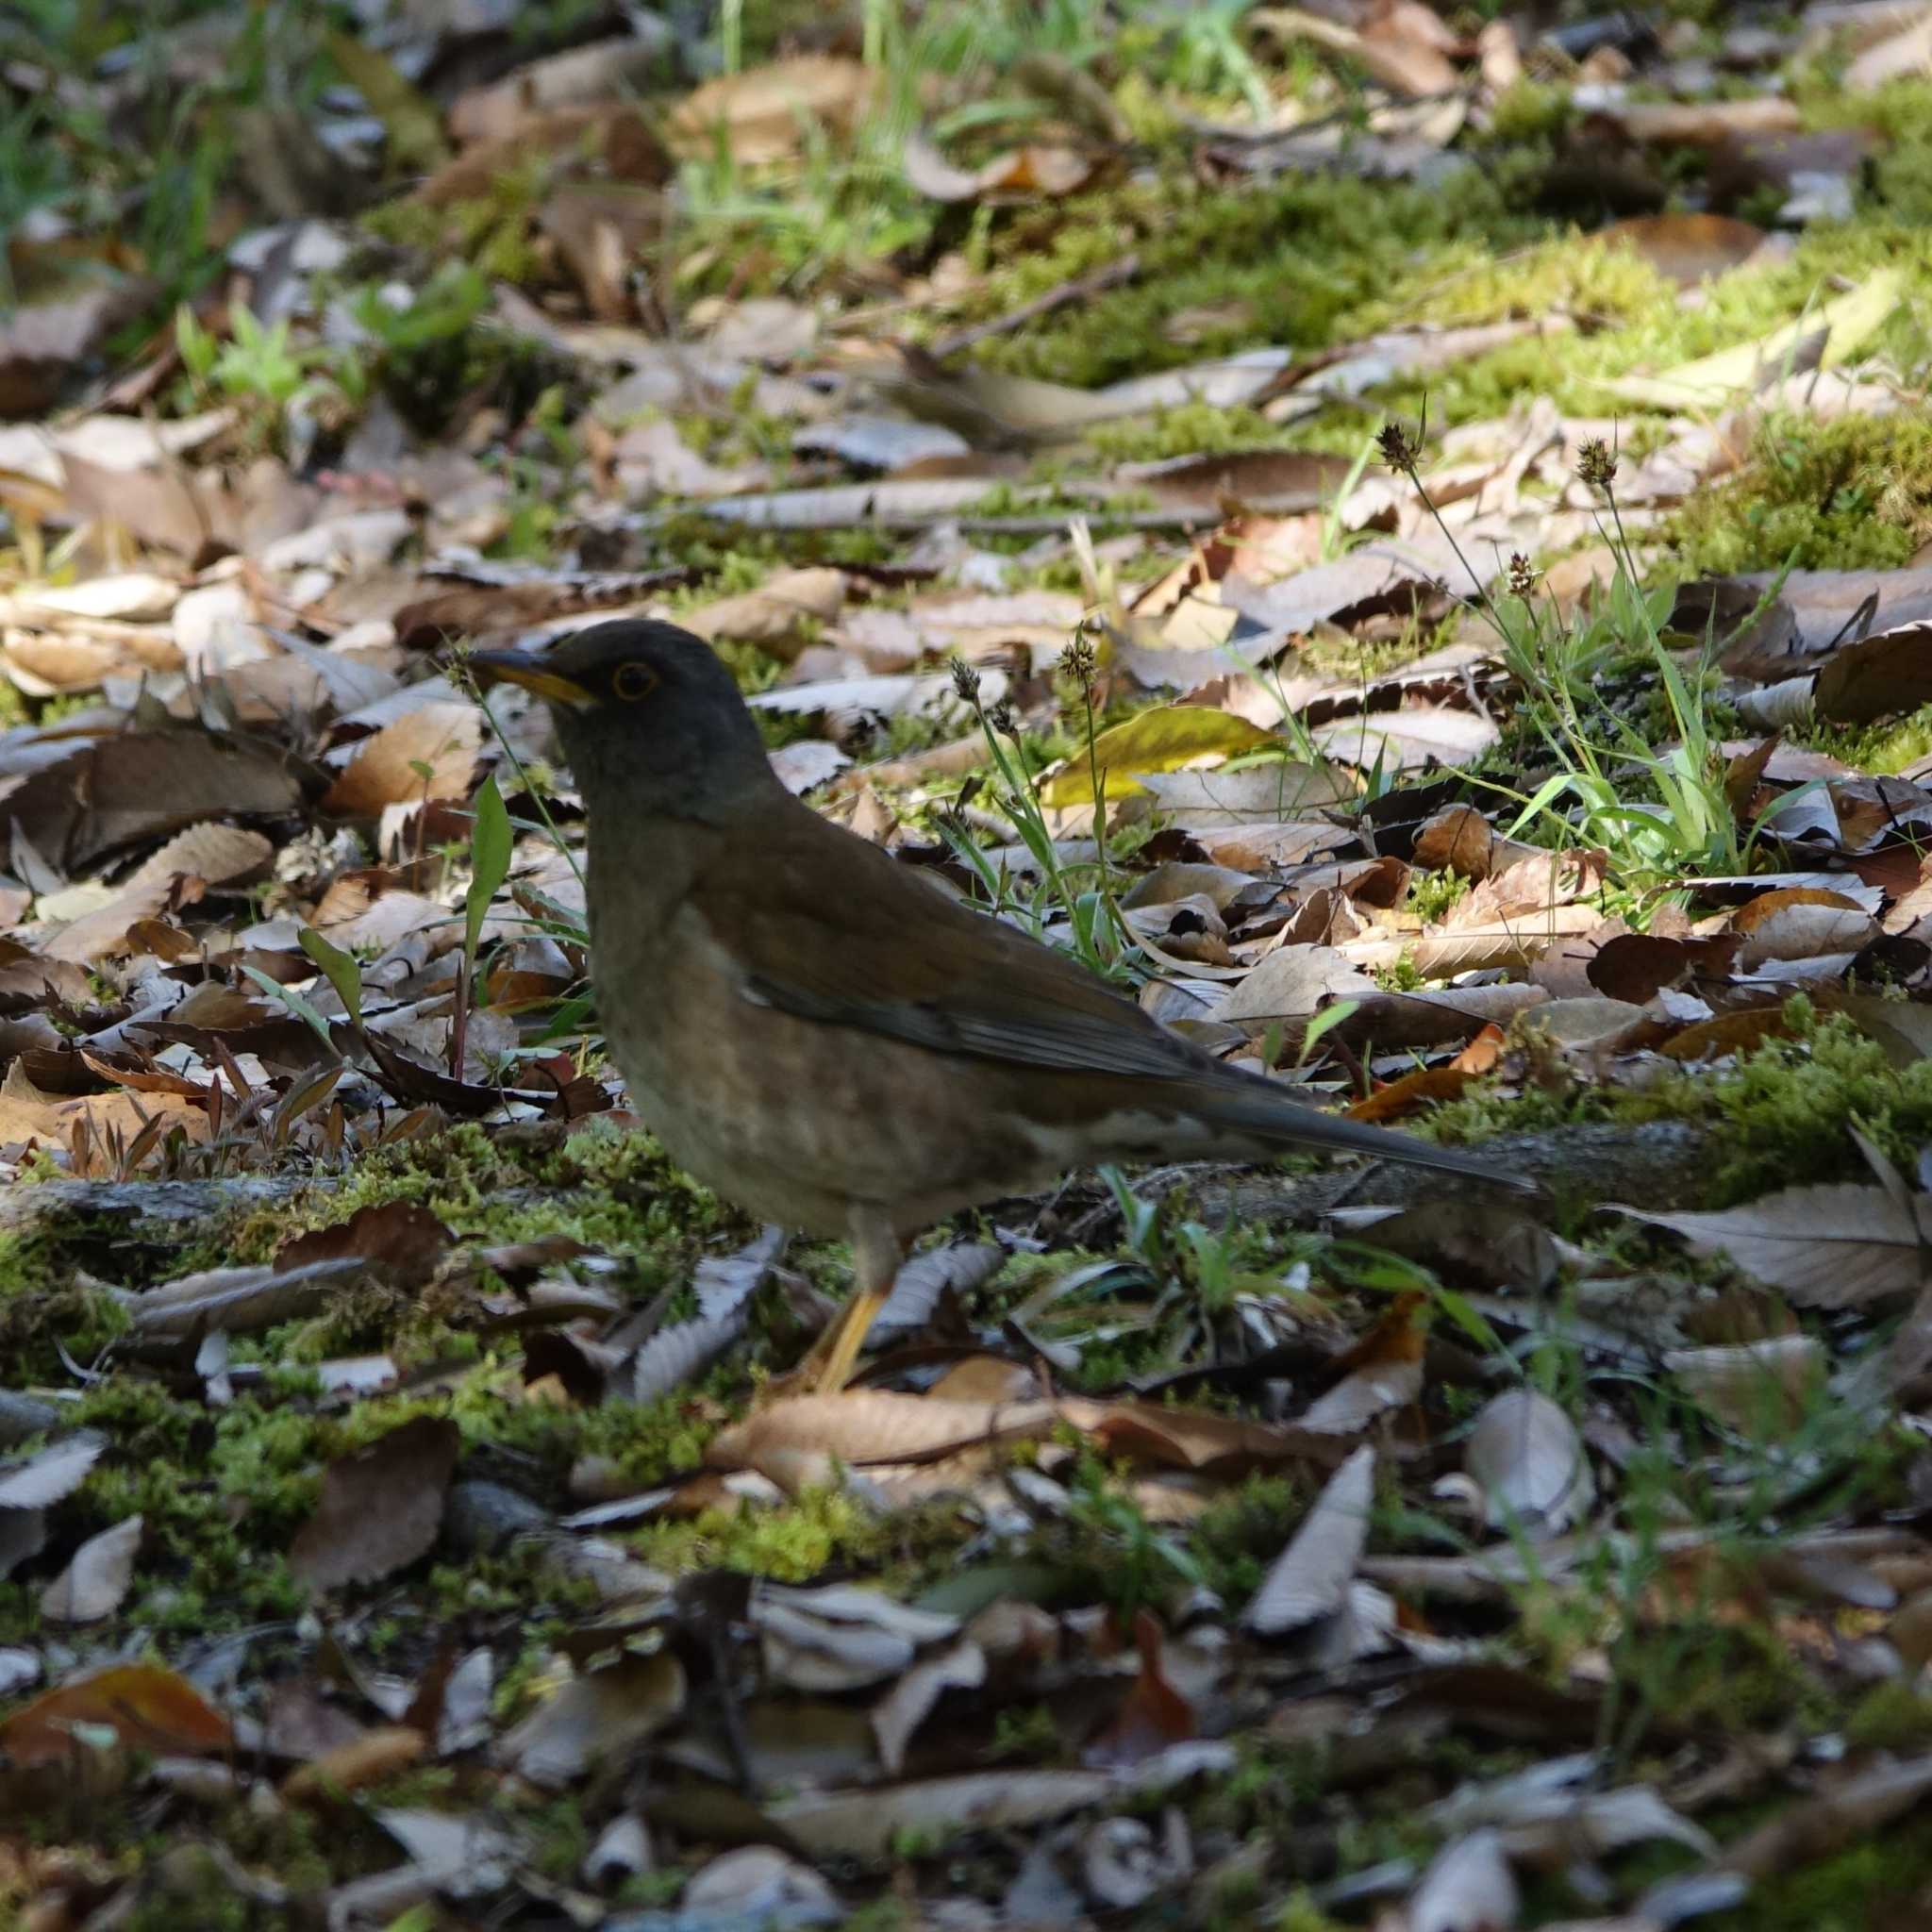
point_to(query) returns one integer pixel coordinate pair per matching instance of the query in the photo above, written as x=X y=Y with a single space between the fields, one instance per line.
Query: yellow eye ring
x=633 y=682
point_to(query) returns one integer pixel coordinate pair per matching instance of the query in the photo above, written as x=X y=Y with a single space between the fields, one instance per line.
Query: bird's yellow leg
x=875 y=1256
x=829 y=1367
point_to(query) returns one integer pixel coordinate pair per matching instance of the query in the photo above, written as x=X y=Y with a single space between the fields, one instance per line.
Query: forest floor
x=1403 y=539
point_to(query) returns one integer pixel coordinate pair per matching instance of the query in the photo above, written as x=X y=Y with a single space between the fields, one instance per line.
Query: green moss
x=493 y=231
x=1238 y=1535
x=1879 y=750
x=1294 y=261
x=608 y=1189
x=790 y=1545
x=45 y=1306
x=1433 y=894
x=1842 y=495
x=1853 y=1891
x=1893 y=1716
x=1778 y=1113
x=1192 y=429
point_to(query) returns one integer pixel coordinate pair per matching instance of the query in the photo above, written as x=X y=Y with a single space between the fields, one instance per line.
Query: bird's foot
x=828 y=1367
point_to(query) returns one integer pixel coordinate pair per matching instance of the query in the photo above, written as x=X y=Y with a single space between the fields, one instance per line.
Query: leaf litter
x=393 y=1437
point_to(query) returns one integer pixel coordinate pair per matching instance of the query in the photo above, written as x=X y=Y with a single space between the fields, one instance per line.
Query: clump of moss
x=491 y=231
x=1844 y=496
x=790 y=1545
x=1877 y=749
x=1852 y=1890
x=1291 y=260
x=1778 y=1112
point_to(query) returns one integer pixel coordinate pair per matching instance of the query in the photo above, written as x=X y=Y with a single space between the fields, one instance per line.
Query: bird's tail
x=1247 y=1104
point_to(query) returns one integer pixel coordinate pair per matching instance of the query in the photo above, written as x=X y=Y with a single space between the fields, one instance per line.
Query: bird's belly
x=799 y=1123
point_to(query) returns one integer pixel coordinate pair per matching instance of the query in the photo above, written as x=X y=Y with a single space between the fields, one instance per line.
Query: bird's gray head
x=650 y=718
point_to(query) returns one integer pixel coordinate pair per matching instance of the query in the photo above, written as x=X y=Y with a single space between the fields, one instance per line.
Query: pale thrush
x=825 y=1037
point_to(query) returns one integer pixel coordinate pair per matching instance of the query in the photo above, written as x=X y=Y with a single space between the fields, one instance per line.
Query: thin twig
x=1123 y=269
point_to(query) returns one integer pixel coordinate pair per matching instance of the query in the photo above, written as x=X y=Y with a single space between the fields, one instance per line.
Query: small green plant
x=1685 y=823
x=258 y=361
x=1100 y=936
x=1138 y=1565
x=266 y=367
x=490 y=841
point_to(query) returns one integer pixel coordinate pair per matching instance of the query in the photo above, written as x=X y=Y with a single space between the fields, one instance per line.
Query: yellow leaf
x=1159 y=740
x=1713 y=380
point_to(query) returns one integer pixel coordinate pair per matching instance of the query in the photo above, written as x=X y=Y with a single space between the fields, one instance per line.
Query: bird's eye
x=634 y=681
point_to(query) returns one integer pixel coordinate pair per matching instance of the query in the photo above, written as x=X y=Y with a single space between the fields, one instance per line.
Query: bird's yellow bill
x=516 y=667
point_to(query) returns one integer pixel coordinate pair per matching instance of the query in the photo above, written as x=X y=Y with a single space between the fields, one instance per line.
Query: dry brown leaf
x=863 y=1824
x=603 y=71
x=380 y=1507
x=1760 y=1388
x=1872 y=678
x=1429 y=1084
x=148 y=1707
x=1018 y=175
x=136 y=785
x=594 y=1718
x=773 y=614
x=619 y=136
x=28 y=1114
x=1292 y=983
x=913 y=1698
x=1468 y=1888
x=868 y=1426
x=1894 y=58
x=1701 y=124
x=222 y=854
x=429 y=753
x=1856 y=1811
x=44 y=343
x=762 y=114
x=1835 y=1246
x=383 y=1751
x=1686 y=248
x=1459 y=839
x=1728 y=1033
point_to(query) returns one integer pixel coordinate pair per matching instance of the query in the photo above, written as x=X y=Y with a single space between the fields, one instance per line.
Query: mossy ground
x=1307 y=263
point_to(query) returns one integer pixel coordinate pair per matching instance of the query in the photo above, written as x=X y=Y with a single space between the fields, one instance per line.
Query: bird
x=822 y=1035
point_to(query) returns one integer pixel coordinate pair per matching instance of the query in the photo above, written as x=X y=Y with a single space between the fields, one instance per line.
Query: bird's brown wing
x=829 y=928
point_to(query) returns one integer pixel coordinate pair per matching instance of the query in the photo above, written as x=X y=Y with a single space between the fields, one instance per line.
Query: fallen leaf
x=426 y=754
x=1019 y=174
x=382 y=1751
x=1835 y=1246
x=913 y=1698
x=50 y=1474
x=1875 y=676
x=863 y=1824
x=147 y=1706
x=594 y=1718
x=762 y=114
x=1893 y=58
x=1468 y=1888
x=1712 y=381
x=1157 y=740
x=1686 y=248
x=1760 y=1388
x=380 y=1507
x=1524 y=1454
x=1311 y=1577
x=96 y=1580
